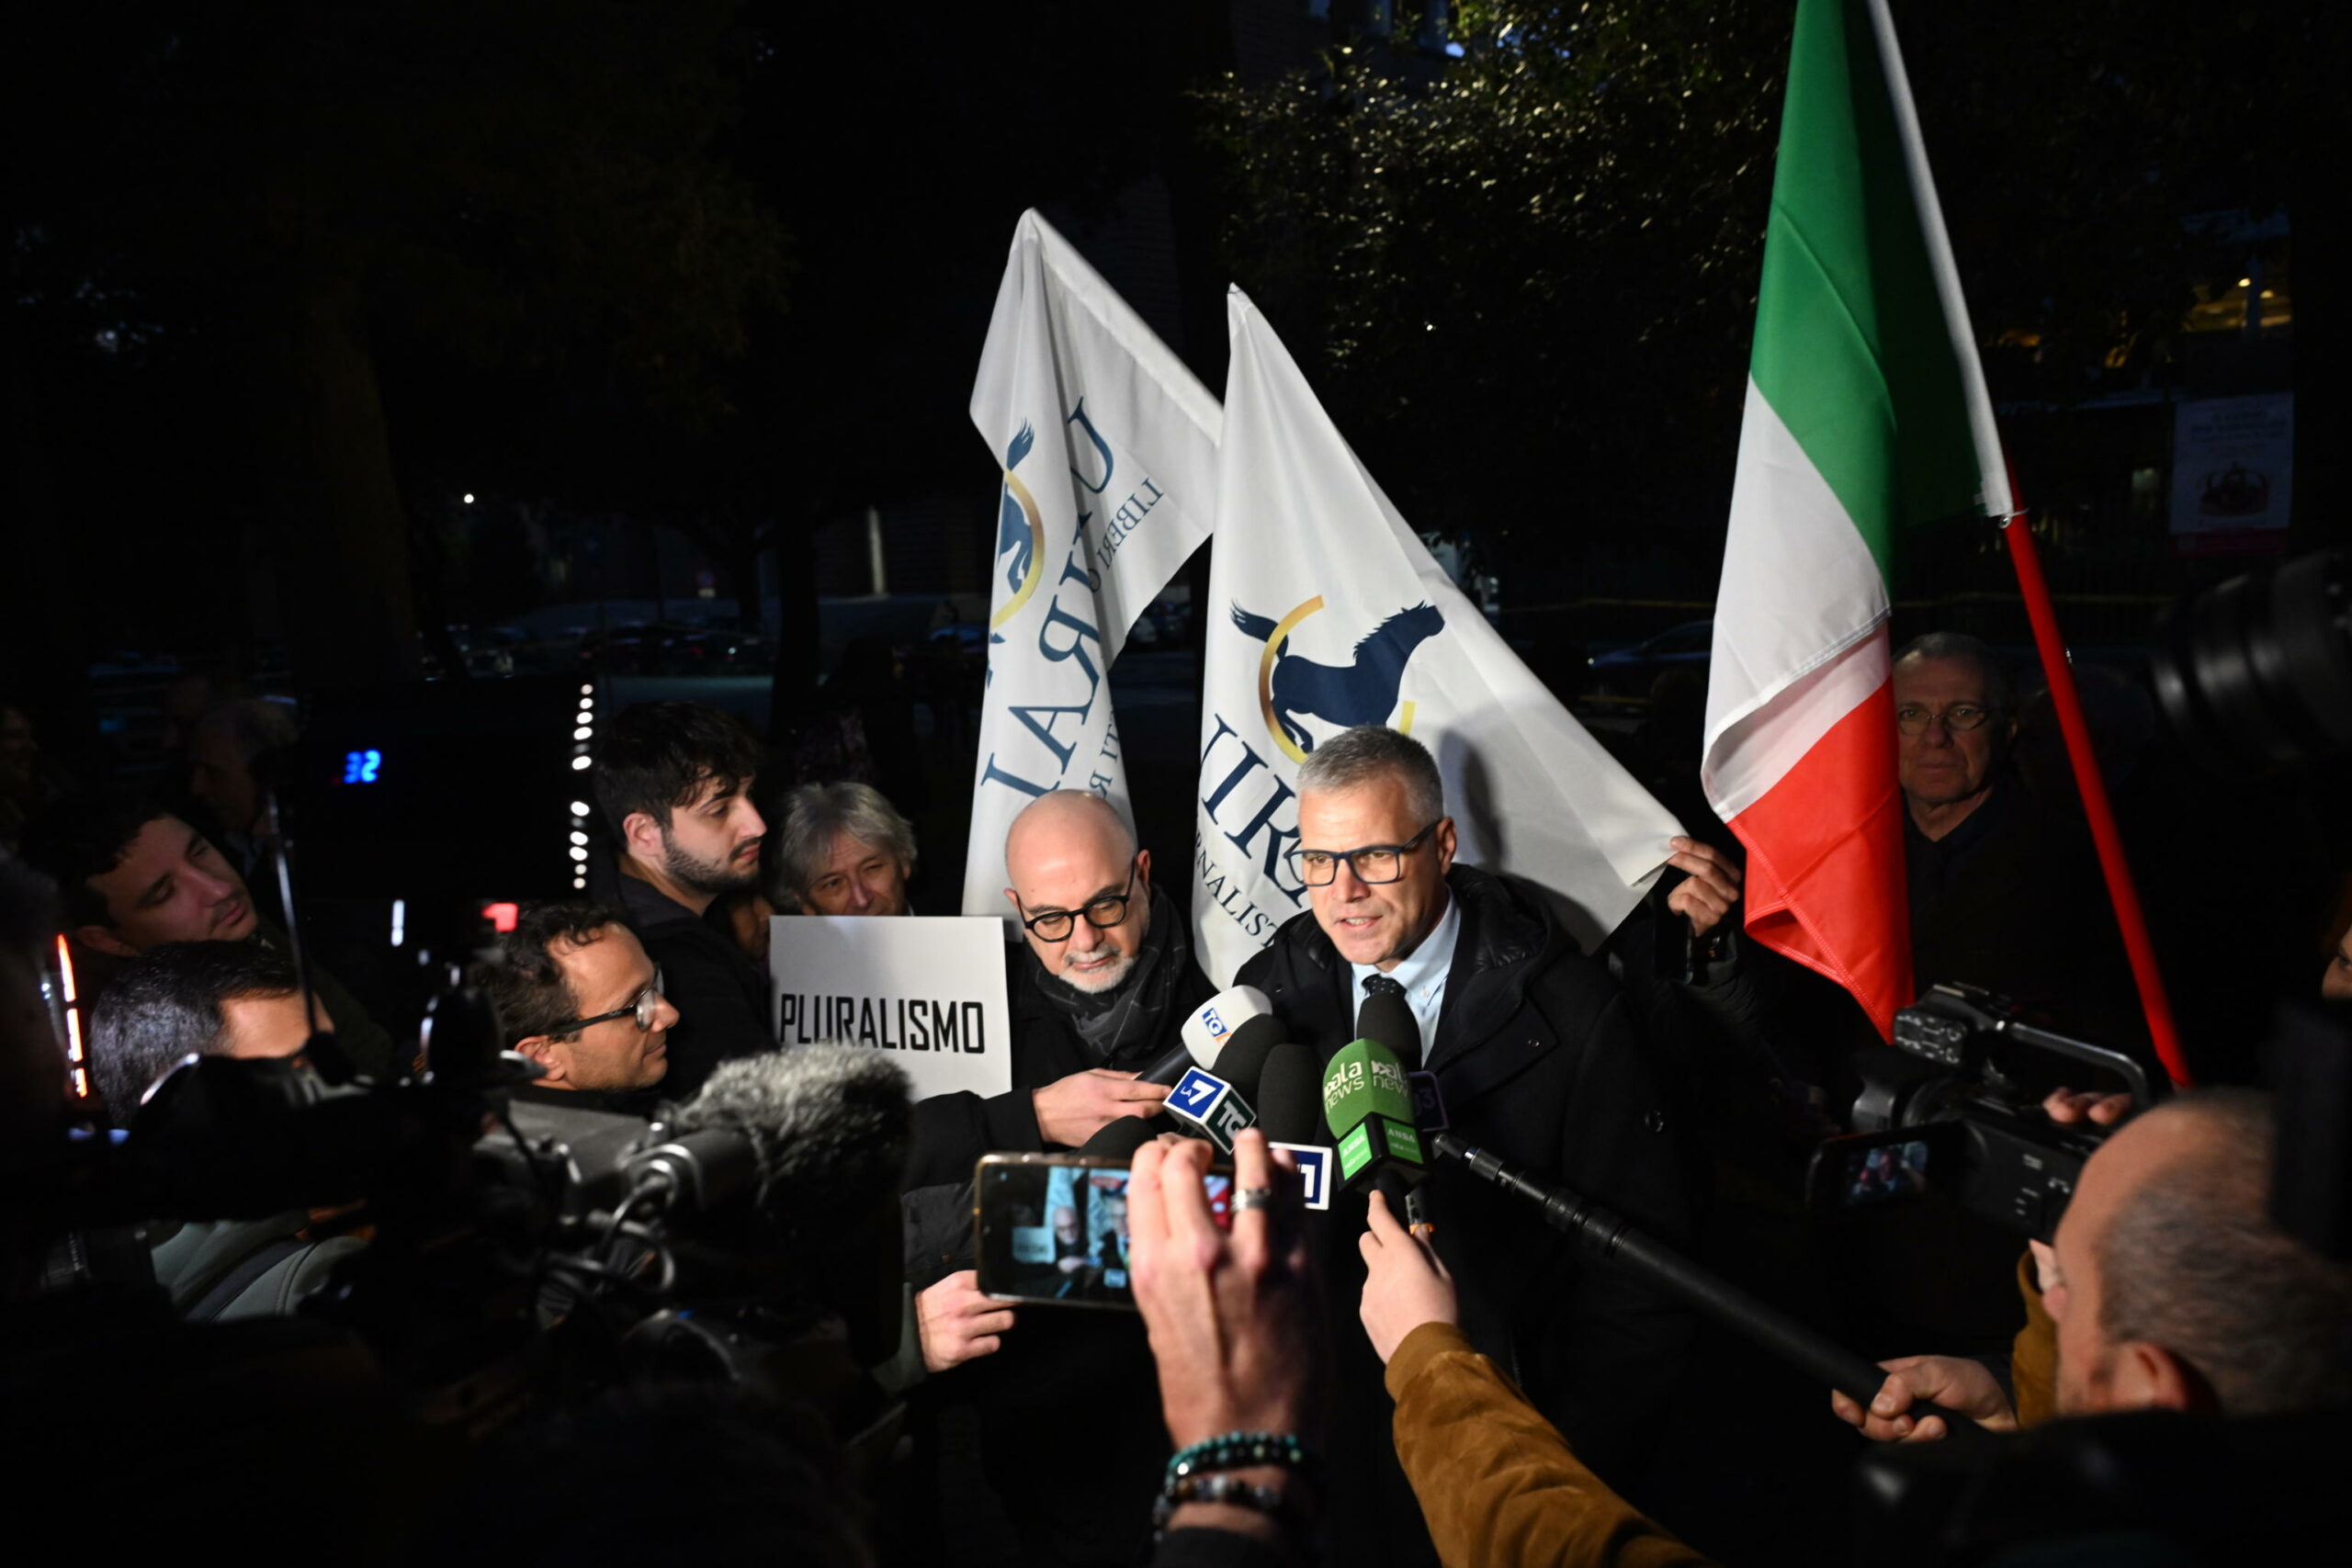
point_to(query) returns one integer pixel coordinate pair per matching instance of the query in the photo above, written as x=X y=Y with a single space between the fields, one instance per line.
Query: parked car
x=1629 y=671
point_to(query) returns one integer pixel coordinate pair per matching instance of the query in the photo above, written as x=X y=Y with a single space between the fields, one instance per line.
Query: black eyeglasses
x=1060 y=925
x=1960 y=718
x=1373 y=863
x=645 y=1009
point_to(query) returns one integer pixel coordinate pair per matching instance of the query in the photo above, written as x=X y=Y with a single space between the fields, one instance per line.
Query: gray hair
x=2193 y=1261
x=811 y=815
x=1370 y=751
x=1963 y=648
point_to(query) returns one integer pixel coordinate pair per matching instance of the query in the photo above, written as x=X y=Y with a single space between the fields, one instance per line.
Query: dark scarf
x=1120 y=1025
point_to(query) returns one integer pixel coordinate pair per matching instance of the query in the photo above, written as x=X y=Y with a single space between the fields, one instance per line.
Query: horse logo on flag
x=1020 y=531
x=1363 y=691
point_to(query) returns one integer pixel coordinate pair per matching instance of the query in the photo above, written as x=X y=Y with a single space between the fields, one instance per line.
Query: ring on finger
x=1253 y=1198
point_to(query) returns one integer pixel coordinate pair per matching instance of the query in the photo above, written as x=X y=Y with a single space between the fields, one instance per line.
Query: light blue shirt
x=1422 y=973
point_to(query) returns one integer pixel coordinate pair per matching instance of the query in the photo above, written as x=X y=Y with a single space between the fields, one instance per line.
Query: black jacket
x=1539 y=1059
x=1063 y=1376
x=953 y=1130
x=721 y=996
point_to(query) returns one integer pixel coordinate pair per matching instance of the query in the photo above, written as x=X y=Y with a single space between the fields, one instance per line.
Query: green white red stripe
x=1866 y=414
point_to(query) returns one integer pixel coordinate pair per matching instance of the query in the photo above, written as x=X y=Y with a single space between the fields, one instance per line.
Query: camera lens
x=2257 y=673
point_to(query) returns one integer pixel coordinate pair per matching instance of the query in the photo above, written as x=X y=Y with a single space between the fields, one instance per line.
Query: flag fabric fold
x=1326 y=611
x=1866 y=414
x=1106 y=447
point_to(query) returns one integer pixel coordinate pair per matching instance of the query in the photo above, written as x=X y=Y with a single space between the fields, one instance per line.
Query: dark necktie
x=1380 y=986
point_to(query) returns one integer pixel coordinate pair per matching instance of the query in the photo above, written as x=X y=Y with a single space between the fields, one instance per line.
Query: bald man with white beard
x=1100 y=985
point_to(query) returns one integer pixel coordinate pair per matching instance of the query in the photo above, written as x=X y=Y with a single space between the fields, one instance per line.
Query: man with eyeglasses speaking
x=1536 y=1057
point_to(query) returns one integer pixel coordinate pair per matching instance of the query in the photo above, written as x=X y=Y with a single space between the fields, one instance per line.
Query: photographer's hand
x=957 y=1324
x=1405 y=1285
x=2068 y=1106
x=1955 y=1383
x=1231 y=1318
x=1228 y=1315
x=1073 y=1109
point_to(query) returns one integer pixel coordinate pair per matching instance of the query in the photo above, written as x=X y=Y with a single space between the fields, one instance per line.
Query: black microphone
x=1290 y=1096
x=1120 y=1137
x=1608 y=1237
x=826 y=1127
x=1386 y=1017
x=1242 y=1063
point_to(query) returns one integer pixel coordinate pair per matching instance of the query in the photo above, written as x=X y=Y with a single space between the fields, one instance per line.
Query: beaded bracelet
x=1239 y=1450
x=1215 y=1488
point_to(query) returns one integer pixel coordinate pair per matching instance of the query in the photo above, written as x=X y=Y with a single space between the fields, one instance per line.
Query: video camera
x=1952 y=1106
x=525 y=1254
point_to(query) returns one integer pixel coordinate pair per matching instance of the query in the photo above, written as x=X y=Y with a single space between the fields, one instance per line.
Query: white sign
x=2233 y=473
x=1326 y=611
x=1105 y=448
x=927 y=988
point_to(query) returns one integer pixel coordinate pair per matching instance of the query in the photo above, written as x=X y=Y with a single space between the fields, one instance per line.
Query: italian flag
x=1866 y=414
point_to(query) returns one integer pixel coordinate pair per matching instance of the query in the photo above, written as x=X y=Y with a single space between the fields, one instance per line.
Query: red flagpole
x=2019 y=534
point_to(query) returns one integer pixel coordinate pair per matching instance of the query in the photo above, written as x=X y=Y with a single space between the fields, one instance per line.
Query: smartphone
x=1052 y=1229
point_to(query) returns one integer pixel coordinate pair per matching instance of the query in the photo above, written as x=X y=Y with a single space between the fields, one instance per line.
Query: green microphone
x=1368 y=1104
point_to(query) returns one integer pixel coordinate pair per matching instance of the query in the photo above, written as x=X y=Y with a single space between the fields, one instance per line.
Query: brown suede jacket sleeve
x=2033 y=1357
x=1498 y=1485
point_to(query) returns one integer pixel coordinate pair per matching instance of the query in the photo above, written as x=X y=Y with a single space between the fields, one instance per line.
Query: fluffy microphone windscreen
x=1243 y=1060
x=1290 y=1096
x=828 y=1122
x=1387 y=1018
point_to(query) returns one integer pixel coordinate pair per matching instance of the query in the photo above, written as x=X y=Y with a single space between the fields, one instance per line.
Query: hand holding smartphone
x=1053 y=1228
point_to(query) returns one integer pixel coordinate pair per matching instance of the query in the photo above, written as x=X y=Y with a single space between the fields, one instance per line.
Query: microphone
x=1387 y=1018
x=826 y=1124
x=1207 y=1030
x=826 y=1129
x=1242 y=1063
x=1290 y=1096
x=1208 y=1107
x=1368 y=1105
x=1290 y=1109
x=1606 y=1237
x=1120 y=1138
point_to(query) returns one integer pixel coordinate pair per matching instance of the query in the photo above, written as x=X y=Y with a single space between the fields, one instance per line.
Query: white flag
x=1108 y=448
x=1326 y=611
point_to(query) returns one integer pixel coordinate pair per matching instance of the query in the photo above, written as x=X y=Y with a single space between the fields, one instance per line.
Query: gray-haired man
x=840 y=848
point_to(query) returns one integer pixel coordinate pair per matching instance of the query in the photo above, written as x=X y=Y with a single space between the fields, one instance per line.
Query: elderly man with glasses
x=2005 y=891
x=1100 y=985
x=1538 y=1059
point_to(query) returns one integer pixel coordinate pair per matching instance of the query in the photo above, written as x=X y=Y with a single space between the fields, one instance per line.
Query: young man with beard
x=673 y=782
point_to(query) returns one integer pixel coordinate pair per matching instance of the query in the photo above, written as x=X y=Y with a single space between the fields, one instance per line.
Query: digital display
x=361 y=767
x=1059 y=1232
x=1887 y=1173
